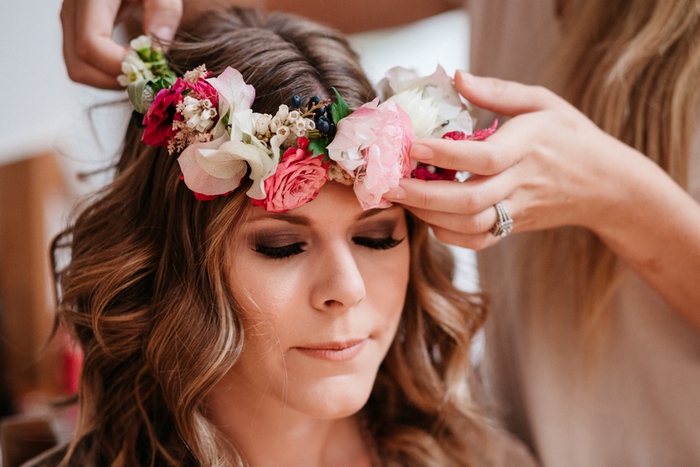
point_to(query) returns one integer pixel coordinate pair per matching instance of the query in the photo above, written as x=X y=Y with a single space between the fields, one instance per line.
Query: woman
x=250 y=323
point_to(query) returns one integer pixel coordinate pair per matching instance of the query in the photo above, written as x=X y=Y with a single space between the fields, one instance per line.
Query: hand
x=91 y=56
x=549 y=166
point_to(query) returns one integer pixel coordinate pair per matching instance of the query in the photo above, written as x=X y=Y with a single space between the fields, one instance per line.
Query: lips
x=334 y=351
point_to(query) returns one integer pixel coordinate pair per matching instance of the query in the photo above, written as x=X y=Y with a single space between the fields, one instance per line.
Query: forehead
x=335 y=205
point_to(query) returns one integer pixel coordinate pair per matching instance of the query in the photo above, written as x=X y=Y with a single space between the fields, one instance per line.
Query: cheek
x=387 y=282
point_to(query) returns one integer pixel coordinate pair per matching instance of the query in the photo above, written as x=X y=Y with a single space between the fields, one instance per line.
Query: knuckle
x=84 y=48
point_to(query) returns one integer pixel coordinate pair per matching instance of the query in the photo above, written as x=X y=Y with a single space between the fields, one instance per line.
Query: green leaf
x=339 y=109
x=318 y=147
x=135 y=91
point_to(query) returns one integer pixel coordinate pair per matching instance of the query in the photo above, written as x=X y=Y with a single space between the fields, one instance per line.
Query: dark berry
x=295 y=102
x=320 y=111
x=314 y=100
x=323 y=126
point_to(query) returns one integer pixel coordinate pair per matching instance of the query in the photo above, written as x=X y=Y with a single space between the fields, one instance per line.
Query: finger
x=478 y=223
x=469 y=197
x=161 y=18
x=473 y=242
x=504 y=97
x=480 y=157
x=78 y=70
x=93 y=36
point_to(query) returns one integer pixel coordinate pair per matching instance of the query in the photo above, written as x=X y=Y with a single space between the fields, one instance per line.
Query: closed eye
x=280 y=252
x=384 y=243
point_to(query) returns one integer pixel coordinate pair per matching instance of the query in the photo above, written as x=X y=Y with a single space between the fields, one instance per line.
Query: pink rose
x=372 y=144
x=297 y=180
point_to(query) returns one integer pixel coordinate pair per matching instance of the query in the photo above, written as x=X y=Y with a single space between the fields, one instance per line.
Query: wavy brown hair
x=632 y=67
x=145 y=291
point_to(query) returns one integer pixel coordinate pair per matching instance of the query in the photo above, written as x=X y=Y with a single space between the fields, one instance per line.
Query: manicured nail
x=165 y=33
x=421 y=153
x=468 y=78
x=395 y=194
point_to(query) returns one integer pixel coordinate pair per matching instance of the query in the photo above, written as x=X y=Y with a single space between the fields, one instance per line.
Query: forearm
x=654 y=226
x=349 y=17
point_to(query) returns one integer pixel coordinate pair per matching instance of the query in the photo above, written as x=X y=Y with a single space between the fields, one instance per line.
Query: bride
x=235 y=308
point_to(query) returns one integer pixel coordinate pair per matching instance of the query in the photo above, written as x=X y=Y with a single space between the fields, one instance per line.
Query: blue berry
x=314 y=100
x=295 y=102
x=323 y=126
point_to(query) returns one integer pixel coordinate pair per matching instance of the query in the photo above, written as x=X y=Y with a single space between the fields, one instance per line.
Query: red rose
x=159 y=118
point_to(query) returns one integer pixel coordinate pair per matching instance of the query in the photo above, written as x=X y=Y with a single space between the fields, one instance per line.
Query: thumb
x=161 y=18
x=504 y=97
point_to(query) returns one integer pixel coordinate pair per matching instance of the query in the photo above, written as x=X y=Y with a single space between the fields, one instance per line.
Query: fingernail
x=467 y=78
x=421 y=153
x=395 y=194
x=165 y=33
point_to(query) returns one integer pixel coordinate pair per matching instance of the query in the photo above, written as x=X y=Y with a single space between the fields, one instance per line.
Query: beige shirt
x=639 y=405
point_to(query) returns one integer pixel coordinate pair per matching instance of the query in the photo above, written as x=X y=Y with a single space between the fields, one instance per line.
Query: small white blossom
x=262 y=124
x=283 y=131
x=282 y=112
x=299 y=127
x=140 y=43
x=133 y=69
x=275 y=124
x=310 y=124
x=198 y=114
x=293 y=116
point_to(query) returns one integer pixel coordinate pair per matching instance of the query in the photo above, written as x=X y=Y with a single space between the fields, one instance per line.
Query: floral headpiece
x=290 y=155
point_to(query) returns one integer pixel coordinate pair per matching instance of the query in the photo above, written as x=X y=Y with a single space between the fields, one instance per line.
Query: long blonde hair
x=633 y=67
x=145 y=290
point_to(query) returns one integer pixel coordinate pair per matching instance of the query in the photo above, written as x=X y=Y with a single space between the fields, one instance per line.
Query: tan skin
x=576 y=175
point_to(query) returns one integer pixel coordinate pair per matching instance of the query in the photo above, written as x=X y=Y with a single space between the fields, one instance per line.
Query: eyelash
x=295 y=248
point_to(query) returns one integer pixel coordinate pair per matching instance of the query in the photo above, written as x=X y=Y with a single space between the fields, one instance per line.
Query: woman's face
x=321 y=290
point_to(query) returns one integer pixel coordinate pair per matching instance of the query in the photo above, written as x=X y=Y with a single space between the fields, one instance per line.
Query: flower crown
x=290 y=155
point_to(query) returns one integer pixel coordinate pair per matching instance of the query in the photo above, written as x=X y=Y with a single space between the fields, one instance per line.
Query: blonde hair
x=146 y=297
x=632 y=67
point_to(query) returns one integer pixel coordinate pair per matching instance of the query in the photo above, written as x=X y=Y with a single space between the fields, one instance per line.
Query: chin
x=333 y=398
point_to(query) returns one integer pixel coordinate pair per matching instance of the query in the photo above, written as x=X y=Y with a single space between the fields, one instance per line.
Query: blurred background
x=52 y=131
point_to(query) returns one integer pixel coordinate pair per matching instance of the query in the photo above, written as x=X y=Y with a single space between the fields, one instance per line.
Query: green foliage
x=339 y=109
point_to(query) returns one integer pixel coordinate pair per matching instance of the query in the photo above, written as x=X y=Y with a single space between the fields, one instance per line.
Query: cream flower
x=432 y=102
x=133 y=69
x=235 y=99
x=140 y=43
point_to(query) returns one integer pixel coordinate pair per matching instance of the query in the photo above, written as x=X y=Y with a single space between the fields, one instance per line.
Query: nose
x=339 y=283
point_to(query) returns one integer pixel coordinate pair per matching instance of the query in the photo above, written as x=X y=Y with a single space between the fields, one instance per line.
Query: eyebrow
x=302 y=220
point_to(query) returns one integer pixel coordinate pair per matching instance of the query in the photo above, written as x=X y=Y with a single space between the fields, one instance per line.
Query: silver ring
x=504 y=224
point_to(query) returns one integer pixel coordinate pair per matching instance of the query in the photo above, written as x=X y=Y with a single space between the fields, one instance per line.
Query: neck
x=268 y=434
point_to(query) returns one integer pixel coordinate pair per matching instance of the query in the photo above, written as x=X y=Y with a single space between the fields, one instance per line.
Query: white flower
x=299 y=127
x=436 y=93
x=282 y=112
x=424 y=112
x=218 y=167
x=140 y=43
x=133 y=69
x=293 y=116
x=275 y=124
x=198 y=114
x=235 y=99
x=310 y=124
x=262 y=123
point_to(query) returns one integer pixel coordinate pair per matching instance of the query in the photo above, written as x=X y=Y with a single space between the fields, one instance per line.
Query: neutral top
x=640 y=403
